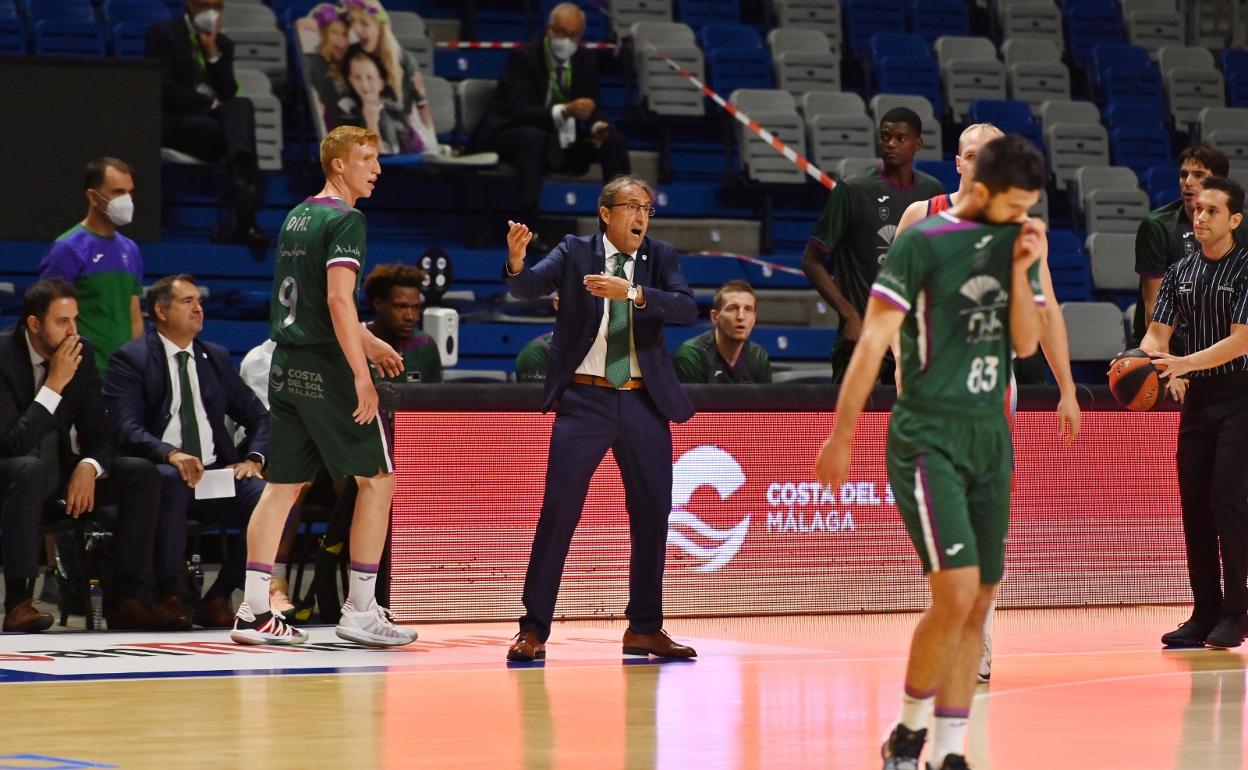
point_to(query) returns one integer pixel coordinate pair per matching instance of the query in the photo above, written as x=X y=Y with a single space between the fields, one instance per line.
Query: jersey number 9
x=288 y=295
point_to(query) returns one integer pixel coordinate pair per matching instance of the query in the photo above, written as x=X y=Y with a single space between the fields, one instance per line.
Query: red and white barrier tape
x=773 y=266
x=500 y=45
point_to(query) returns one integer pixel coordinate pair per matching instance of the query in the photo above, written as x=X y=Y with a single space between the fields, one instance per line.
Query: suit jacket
x=169 y=43
x=138 y=391
x=24 y=422
x=520 y=99
x=668 y=298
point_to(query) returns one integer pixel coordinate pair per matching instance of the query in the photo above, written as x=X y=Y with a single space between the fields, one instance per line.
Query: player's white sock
x=363 y=585
x=256 y=589
x=949 y=737
x=916 y=707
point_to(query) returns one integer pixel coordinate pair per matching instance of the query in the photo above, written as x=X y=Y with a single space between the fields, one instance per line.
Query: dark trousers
x=226 y=133
x=525 y=147
x=177 y=500
x=1213 y=440
x=589 y=421
x=843 y=351
x=132 y=486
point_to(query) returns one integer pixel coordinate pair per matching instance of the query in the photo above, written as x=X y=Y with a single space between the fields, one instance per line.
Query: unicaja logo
x=277 y=379
x=712 y=466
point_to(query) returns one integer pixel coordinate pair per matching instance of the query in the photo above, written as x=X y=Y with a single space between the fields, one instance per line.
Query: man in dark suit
x=48 y=385
x=547 y=114
x=614 y=386
x=169 y=394
x=201 y=113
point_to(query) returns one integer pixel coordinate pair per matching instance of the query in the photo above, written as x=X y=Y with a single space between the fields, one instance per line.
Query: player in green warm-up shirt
x=963 y=289
x=394 y=292
x=725 y=353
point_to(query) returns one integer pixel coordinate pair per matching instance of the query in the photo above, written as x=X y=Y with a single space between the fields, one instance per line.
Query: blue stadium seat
x=698 y=13
x=1232 y=59
x=1011 y=116
x=1088 y=25
x=864 y=18
x=1162 y=185
x=1237 y=88
x=68 y=38
x=1106 y=55
x=934 y=18
x=1072 y=275
x=135 y=11
x=917 y=75
x=1132 y=84
x=1140 y=147
x=1131 y=113
x=61 y=10
x=728 y=36
x=130 y=39
x=733 y=68
x=8 y=10
x=12 y=37
x=884 y=44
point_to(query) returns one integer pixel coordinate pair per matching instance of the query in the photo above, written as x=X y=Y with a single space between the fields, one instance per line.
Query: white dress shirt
x=595 y=362
x=49 y=399
x=173 y=431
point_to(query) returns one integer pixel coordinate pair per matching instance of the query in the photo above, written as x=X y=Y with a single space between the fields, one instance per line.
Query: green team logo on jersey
x=983 y=323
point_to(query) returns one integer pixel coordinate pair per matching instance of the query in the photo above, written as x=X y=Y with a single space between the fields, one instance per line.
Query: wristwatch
x=632 y=294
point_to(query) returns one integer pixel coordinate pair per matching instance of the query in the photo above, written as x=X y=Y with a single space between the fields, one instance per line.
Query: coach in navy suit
x=612 y=385
x=169 y=394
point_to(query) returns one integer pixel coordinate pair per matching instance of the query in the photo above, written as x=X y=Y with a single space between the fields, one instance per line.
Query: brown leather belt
x=602 y=382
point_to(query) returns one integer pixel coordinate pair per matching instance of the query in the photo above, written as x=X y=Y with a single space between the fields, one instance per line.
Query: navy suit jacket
x=668 y=298
x=24 y=422
x=138 y=391
x=169 y=42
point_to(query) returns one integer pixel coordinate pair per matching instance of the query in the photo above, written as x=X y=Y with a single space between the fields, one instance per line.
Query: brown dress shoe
x=216 y=612
x=131 y=615
x=527 y=647
x=171 y=615
x=25 y=619
x=658 y=644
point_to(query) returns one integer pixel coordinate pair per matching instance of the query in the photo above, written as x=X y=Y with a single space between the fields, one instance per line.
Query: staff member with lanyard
x=1205 y=297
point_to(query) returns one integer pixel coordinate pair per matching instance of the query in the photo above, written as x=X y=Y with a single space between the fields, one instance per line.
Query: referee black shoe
x=1191 y=633
x=901 y=750
x=1229 y=632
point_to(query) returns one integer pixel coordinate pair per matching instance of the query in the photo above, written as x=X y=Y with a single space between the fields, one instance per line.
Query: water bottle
x=95 y=604
x=197 y=575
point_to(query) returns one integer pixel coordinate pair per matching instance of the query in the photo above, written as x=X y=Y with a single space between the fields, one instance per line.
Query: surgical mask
x=120 y=210
x=206 y=21
x=562 y=48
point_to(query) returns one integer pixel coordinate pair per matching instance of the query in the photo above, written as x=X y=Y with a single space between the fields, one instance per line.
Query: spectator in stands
x=547 y=115
x=397 y=67
x=394 y=293
x=104 y=266
x=48 y=386
x=534 y=358
x=371 y=104
x=858 y=224
x=323 y=65
x=202 y=115
x=725 y=353
x=1165 y=236
x=169 y=394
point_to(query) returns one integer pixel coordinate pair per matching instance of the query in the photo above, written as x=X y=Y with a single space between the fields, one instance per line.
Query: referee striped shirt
x=1200 y=298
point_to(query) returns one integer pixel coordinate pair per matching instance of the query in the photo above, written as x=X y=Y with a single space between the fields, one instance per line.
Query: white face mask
x=206 y=21
x=120 y=210
x=562 y=48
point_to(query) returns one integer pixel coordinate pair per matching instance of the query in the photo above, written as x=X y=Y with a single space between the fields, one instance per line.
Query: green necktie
x=50 y=450
x=186 y=411
x=618 y=365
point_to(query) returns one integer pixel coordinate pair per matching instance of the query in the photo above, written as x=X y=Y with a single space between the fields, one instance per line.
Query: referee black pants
x=1213 y=486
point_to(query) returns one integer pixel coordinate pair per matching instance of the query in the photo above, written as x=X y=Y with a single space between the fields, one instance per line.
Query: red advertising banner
x=752 y=532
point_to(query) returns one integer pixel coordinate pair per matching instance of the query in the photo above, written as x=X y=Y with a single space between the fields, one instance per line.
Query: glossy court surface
x=1071 y=688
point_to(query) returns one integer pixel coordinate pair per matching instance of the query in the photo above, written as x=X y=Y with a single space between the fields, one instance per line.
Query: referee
x=1205 y=297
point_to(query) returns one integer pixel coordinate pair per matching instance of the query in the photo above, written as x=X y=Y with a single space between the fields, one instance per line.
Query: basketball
x=1134 y=380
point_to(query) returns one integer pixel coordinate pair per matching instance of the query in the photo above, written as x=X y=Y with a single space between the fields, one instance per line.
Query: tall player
x=1053 y=340
x=322 y=402
x=963 y=289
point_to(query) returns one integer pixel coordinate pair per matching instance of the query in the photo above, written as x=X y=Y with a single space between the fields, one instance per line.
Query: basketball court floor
x=1071 y=688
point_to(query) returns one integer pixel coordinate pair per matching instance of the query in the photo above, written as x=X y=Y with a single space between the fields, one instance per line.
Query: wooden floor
x=1077 y=689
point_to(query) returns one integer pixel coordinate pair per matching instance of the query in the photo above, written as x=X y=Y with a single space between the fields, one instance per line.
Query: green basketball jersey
x=318 y=234
x=952 y=279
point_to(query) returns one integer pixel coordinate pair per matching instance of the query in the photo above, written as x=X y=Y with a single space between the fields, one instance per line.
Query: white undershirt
x=595 y=362
x=173 y=431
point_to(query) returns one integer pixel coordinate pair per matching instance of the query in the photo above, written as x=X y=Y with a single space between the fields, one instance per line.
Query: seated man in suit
x=201 y=113
x=169 y=394
x=547 y=114
x=48 y=385
x=725 y=354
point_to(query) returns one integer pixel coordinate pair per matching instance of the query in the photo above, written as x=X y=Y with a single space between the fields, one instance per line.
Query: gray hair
x=161 y=292
x=558 y=9
x=612 y=189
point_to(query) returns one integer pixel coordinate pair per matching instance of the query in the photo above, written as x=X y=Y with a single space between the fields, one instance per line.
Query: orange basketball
x=1134 y=380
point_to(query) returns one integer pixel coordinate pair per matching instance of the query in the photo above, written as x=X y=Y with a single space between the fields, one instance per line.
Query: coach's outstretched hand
x=518 y=238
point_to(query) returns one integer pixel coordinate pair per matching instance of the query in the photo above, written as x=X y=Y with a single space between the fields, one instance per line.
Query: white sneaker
x=985 y=661
x=265 y=628
x=373 y=627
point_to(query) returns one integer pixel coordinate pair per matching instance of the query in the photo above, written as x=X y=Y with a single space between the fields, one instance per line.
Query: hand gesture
x=381 y=355
x=64 y=363
x=607 y=286
x=80 y=496
x=1172 y=366
x=366 y=401
x=580 y=109
x=518 y=238
x=190 y=467
x=1031 y=243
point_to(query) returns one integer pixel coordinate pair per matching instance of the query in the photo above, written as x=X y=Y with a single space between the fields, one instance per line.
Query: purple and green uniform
x=107 y=273
x=311 y=387
x=949 y=451
x=420 y=355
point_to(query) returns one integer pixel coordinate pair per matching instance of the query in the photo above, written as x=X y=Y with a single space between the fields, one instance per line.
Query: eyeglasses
x=633 y=208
